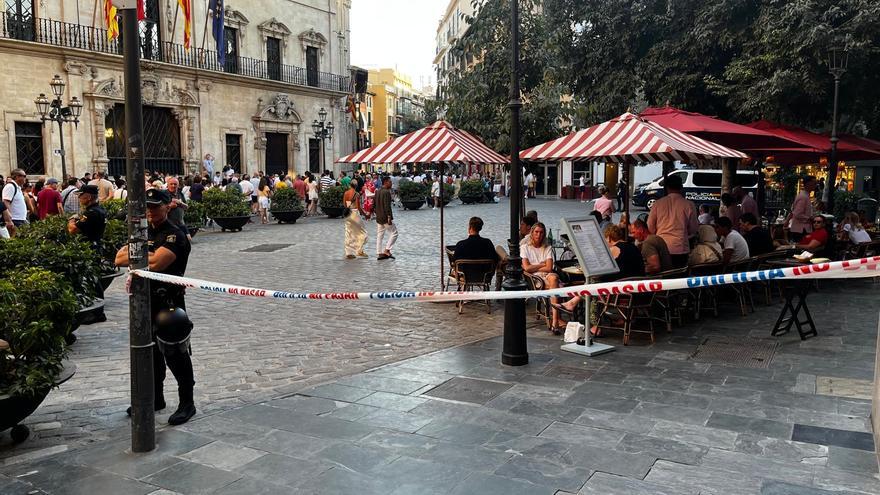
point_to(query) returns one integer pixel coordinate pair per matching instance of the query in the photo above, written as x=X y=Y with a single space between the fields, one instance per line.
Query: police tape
x=858 y=268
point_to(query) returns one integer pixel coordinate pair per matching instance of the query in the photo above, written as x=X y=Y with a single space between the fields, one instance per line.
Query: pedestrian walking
x=355 y=231
x=384 y=220
x=264 y=193
x=168 y=253
x=622 y=194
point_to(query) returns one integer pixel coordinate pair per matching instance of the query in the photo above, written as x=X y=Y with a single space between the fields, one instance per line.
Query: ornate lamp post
x=323 y=130
x=55 y=111
x=838 y=59
x=514 y=349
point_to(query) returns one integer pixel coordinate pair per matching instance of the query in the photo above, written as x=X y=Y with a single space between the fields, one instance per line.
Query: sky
x=398 y=34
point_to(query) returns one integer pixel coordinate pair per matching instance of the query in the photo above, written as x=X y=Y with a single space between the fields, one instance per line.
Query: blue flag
x=216 y=8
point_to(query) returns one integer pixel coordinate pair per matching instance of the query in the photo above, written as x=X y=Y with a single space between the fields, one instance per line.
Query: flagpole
x=205 y=31
x=174 y=24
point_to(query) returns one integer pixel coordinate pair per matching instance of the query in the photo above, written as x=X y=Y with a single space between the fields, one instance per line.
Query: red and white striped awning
x=629 y=138
x=440 y=142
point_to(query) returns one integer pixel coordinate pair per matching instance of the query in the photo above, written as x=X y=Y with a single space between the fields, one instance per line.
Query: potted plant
x=115 y=236
x=412 y=195
x=229 y=209
x=194 y=217
x=448 y=194
x=287 y=206
x=330 y=201
x=471 y=191
x=116 y=208
x=38 y=308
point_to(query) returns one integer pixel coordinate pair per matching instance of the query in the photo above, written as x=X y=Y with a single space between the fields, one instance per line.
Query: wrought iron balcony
x=93 y=39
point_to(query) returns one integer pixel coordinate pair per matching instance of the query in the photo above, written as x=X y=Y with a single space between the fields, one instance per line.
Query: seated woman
x=629 y=261
x=707 y=249
x=537 y=260
x=818 y=239
x=851 y=229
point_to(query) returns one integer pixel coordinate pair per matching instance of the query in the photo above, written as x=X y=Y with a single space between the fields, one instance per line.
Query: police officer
x=168 y=253
x=90 y=223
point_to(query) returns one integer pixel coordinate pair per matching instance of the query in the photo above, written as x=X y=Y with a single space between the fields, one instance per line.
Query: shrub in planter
x=52 y=229
x=38 y=308
x=225 y=204
x=845 y=201
x=471 y=191
x=287 y=206
x=411 y=191
x=115 y=236
x=74 y=261
x=116 y=208
x=330 y=201
x=194 y=215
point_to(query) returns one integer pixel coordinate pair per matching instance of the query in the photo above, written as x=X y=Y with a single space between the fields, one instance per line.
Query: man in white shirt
x=105 y=187
x=247 y=188
x=735 y=246
x=255 y=188
x=582 y=188
x=13 y=197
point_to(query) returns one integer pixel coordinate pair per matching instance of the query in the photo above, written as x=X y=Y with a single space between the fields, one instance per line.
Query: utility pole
x=515 y=345
x=143 y=415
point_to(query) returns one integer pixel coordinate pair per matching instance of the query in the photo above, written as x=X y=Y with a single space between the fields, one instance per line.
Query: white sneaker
x=434 y=208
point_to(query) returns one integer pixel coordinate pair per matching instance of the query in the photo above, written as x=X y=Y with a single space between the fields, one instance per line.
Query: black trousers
x=179 y=362
x=679 y=260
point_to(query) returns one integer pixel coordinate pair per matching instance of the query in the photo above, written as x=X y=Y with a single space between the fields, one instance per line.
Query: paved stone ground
x=249 y=349
x=645 y=419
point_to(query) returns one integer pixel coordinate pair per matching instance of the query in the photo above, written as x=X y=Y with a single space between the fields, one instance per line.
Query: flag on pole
x=110 y=20
x=216 y=8
x=186 y=8
x=352 y=109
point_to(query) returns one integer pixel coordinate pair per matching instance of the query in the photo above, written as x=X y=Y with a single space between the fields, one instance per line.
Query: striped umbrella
x=440 y=142
x=629 y=138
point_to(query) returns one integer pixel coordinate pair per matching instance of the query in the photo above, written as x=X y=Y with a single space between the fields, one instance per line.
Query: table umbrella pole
x=442 y=241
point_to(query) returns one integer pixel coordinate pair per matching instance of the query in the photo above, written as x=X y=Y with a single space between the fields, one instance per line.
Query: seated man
x=653 y=247
x=756 y=237
x=735 y=247
x=475 y=247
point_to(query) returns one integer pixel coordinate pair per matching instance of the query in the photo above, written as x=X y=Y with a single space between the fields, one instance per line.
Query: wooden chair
x=669 y=301
x=474 y=275
x=630 y=308
x=542 y=304
x=742 y=291
x=704 y=296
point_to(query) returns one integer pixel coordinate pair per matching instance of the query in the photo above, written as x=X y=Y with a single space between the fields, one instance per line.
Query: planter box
x=193 y=229
x=287 y=216
x=412 y=205
x=469 y=200
x=333 y=212
x=14 y=409
x=108 y=278
x=232 y=224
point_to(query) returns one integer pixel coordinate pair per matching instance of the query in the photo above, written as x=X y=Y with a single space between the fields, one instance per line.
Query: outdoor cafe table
x=791 y=313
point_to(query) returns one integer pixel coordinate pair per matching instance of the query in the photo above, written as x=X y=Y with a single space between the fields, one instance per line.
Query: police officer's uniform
x=164 y=296
x=91 y=224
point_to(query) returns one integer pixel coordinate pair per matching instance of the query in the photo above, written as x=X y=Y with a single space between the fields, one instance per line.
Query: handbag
x=574 y=331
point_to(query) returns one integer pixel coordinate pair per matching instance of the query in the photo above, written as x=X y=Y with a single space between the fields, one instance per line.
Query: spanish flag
x=352 y=108
x=111 y=20
x=186 y=8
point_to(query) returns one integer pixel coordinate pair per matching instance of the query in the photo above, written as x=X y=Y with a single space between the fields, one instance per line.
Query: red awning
x=819 y=146
x=630 y=138
x=719 y=131
x=440 y=142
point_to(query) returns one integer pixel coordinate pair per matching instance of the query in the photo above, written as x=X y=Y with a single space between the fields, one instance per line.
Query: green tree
x=475 y=99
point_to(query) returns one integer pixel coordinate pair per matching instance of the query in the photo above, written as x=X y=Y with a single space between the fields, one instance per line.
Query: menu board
x=588 y=244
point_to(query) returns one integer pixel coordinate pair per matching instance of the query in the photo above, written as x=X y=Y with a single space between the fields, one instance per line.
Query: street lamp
x=515 y=346
x=838 y=59
x=55 y=111
x=323 y=130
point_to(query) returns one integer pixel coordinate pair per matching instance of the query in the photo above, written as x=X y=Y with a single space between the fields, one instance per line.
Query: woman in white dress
x=355 y=231
x=313 y=196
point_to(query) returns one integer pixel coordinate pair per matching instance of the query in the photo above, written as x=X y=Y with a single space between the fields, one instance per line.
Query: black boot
x=185 y=410
x=159 y=404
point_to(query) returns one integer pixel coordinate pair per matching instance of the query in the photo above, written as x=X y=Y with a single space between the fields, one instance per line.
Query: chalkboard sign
x=588 y=244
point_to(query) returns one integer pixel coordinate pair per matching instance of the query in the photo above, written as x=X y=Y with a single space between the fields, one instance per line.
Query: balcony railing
x=68 y=35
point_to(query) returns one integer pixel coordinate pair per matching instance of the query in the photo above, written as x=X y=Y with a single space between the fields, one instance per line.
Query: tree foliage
x=738 y=59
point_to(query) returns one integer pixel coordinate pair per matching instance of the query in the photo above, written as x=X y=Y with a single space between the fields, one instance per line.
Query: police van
x=700 y=186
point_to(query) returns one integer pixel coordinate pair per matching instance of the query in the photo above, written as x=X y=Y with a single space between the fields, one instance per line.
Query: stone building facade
x=285 y=60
